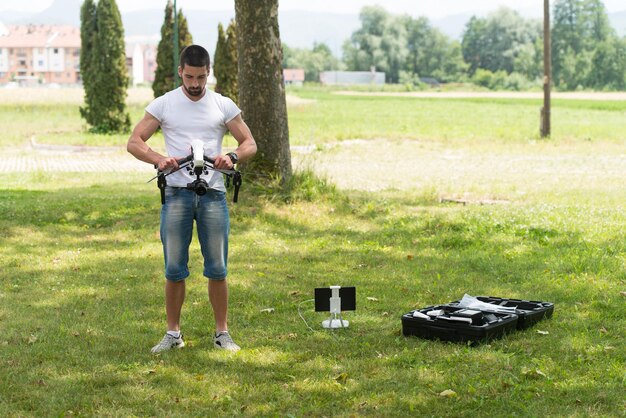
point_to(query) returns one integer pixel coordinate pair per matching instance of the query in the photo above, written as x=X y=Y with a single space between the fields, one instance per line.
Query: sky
x=430 y=8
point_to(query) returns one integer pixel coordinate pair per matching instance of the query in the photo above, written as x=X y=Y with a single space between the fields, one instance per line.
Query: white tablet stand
x=335 y=320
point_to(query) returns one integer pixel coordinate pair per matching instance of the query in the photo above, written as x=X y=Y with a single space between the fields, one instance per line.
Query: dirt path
x=68 y=159
x=494 y=172
x=491 y=171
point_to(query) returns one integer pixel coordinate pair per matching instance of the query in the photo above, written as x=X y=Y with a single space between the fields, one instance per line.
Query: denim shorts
x=210 y=213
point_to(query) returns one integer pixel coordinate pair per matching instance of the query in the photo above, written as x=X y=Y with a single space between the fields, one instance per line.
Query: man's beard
x=194 y=92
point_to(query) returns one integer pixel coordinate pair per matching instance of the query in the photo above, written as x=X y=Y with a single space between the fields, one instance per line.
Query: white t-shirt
x=183 y=120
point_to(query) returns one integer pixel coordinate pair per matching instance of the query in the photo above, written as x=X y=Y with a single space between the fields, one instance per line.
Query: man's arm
x=137 y=144
x=247 y=146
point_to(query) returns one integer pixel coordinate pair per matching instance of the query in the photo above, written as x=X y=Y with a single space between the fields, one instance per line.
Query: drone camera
x=199 y=186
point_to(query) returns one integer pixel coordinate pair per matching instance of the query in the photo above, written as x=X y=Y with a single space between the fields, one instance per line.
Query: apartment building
x=38 y=54
x=140 y=62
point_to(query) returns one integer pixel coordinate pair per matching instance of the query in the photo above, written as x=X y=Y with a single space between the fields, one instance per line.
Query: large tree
x=499 y=41
x=430 y=52
x=87 y=37
x=585 y=48
x=381 y=43
x=107 y=104
x=402 y=47
x=164 y=77
x=569 y=62
x=313 y=61
x=609 y=65
x=261 y=85
x=225 y=62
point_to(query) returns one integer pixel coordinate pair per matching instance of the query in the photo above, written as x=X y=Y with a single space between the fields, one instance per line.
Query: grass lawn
x=81 y=290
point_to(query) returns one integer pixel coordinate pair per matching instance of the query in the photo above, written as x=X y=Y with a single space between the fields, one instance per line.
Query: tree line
x=500 y=51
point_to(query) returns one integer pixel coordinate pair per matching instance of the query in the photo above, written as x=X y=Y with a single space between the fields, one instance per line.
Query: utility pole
x=547 y=71
x=176 y=53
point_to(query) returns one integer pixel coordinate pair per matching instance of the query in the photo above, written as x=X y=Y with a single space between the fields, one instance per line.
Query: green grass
x=54 y=124
x=326 y=117
x=81 y=289
x=82 y=304
x=334 y=117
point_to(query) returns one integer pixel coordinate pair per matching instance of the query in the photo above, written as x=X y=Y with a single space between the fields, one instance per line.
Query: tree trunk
x=261 y=86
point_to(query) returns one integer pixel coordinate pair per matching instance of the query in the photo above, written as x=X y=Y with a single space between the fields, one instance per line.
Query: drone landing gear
x=335 y=321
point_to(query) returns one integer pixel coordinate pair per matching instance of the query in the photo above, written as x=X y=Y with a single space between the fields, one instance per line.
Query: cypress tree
x=225 y=62
x=164 y=75
x=232 y=70
x=184 y=36
x=110 y=77
x=87 y=35
x=219 y=59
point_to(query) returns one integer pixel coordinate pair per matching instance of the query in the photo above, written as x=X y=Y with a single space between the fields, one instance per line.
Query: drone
x=195 y=163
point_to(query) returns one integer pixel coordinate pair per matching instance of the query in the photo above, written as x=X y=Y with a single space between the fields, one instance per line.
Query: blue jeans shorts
x=210 y=213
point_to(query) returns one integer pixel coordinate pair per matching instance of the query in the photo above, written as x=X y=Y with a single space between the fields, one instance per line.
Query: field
x=413 y=200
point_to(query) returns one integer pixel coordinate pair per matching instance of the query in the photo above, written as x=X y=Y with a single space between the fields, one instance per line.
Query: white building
x=352 y=77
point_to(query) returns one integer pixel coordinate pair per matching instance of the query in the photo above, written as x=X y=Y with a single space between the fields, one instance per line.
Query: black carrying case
x=529 y=312
x=483 y=327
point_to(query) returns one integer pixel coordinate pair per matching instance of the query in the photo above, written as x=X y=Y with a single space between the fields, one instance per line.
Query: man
x=184 y=114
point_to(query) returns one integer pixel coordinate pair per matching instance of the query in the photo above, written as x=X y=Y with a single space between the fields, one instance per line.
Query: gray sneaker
x=223 y=340
x=168 y=342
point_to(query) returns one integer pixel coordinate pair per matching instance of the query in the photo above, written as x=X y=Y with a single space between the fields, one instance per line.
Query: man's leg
x=174 y=298
x=218 y=295
x=176 y=231
x=213 y=228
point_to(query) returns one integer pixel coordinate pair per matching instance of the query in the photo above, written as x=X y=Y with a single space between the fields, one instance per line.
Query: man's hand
x=167 y=164
x=223 y=162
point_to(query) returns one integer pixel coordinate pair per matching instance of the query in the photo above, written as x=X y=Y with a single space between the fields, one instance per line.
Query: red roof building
x=294 y=76
x=33 y=54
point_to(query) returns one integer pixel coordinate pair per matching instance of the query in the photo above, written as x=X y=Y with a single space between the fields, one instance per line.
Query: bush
x=500 y=80
x=518 y=82
x=411 y=81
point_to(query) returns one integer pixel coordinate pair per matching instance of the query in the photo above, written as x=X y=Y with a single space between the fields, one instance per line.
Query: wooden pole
x=175 y=45
x=547 y=71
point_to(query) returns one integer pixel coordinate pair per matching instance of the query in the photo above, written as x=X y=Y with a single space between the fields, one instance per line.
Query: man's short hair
x=195 y=56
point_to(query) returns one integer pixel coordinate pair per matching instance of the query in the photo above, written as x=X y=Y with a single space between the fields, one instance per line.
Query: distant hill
x=10 y=17
x=60 y=12
x=145 y=25
x=295 y=28
x=298 y=29
x=618 y=21
x=453 y=25
x=301 y=29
